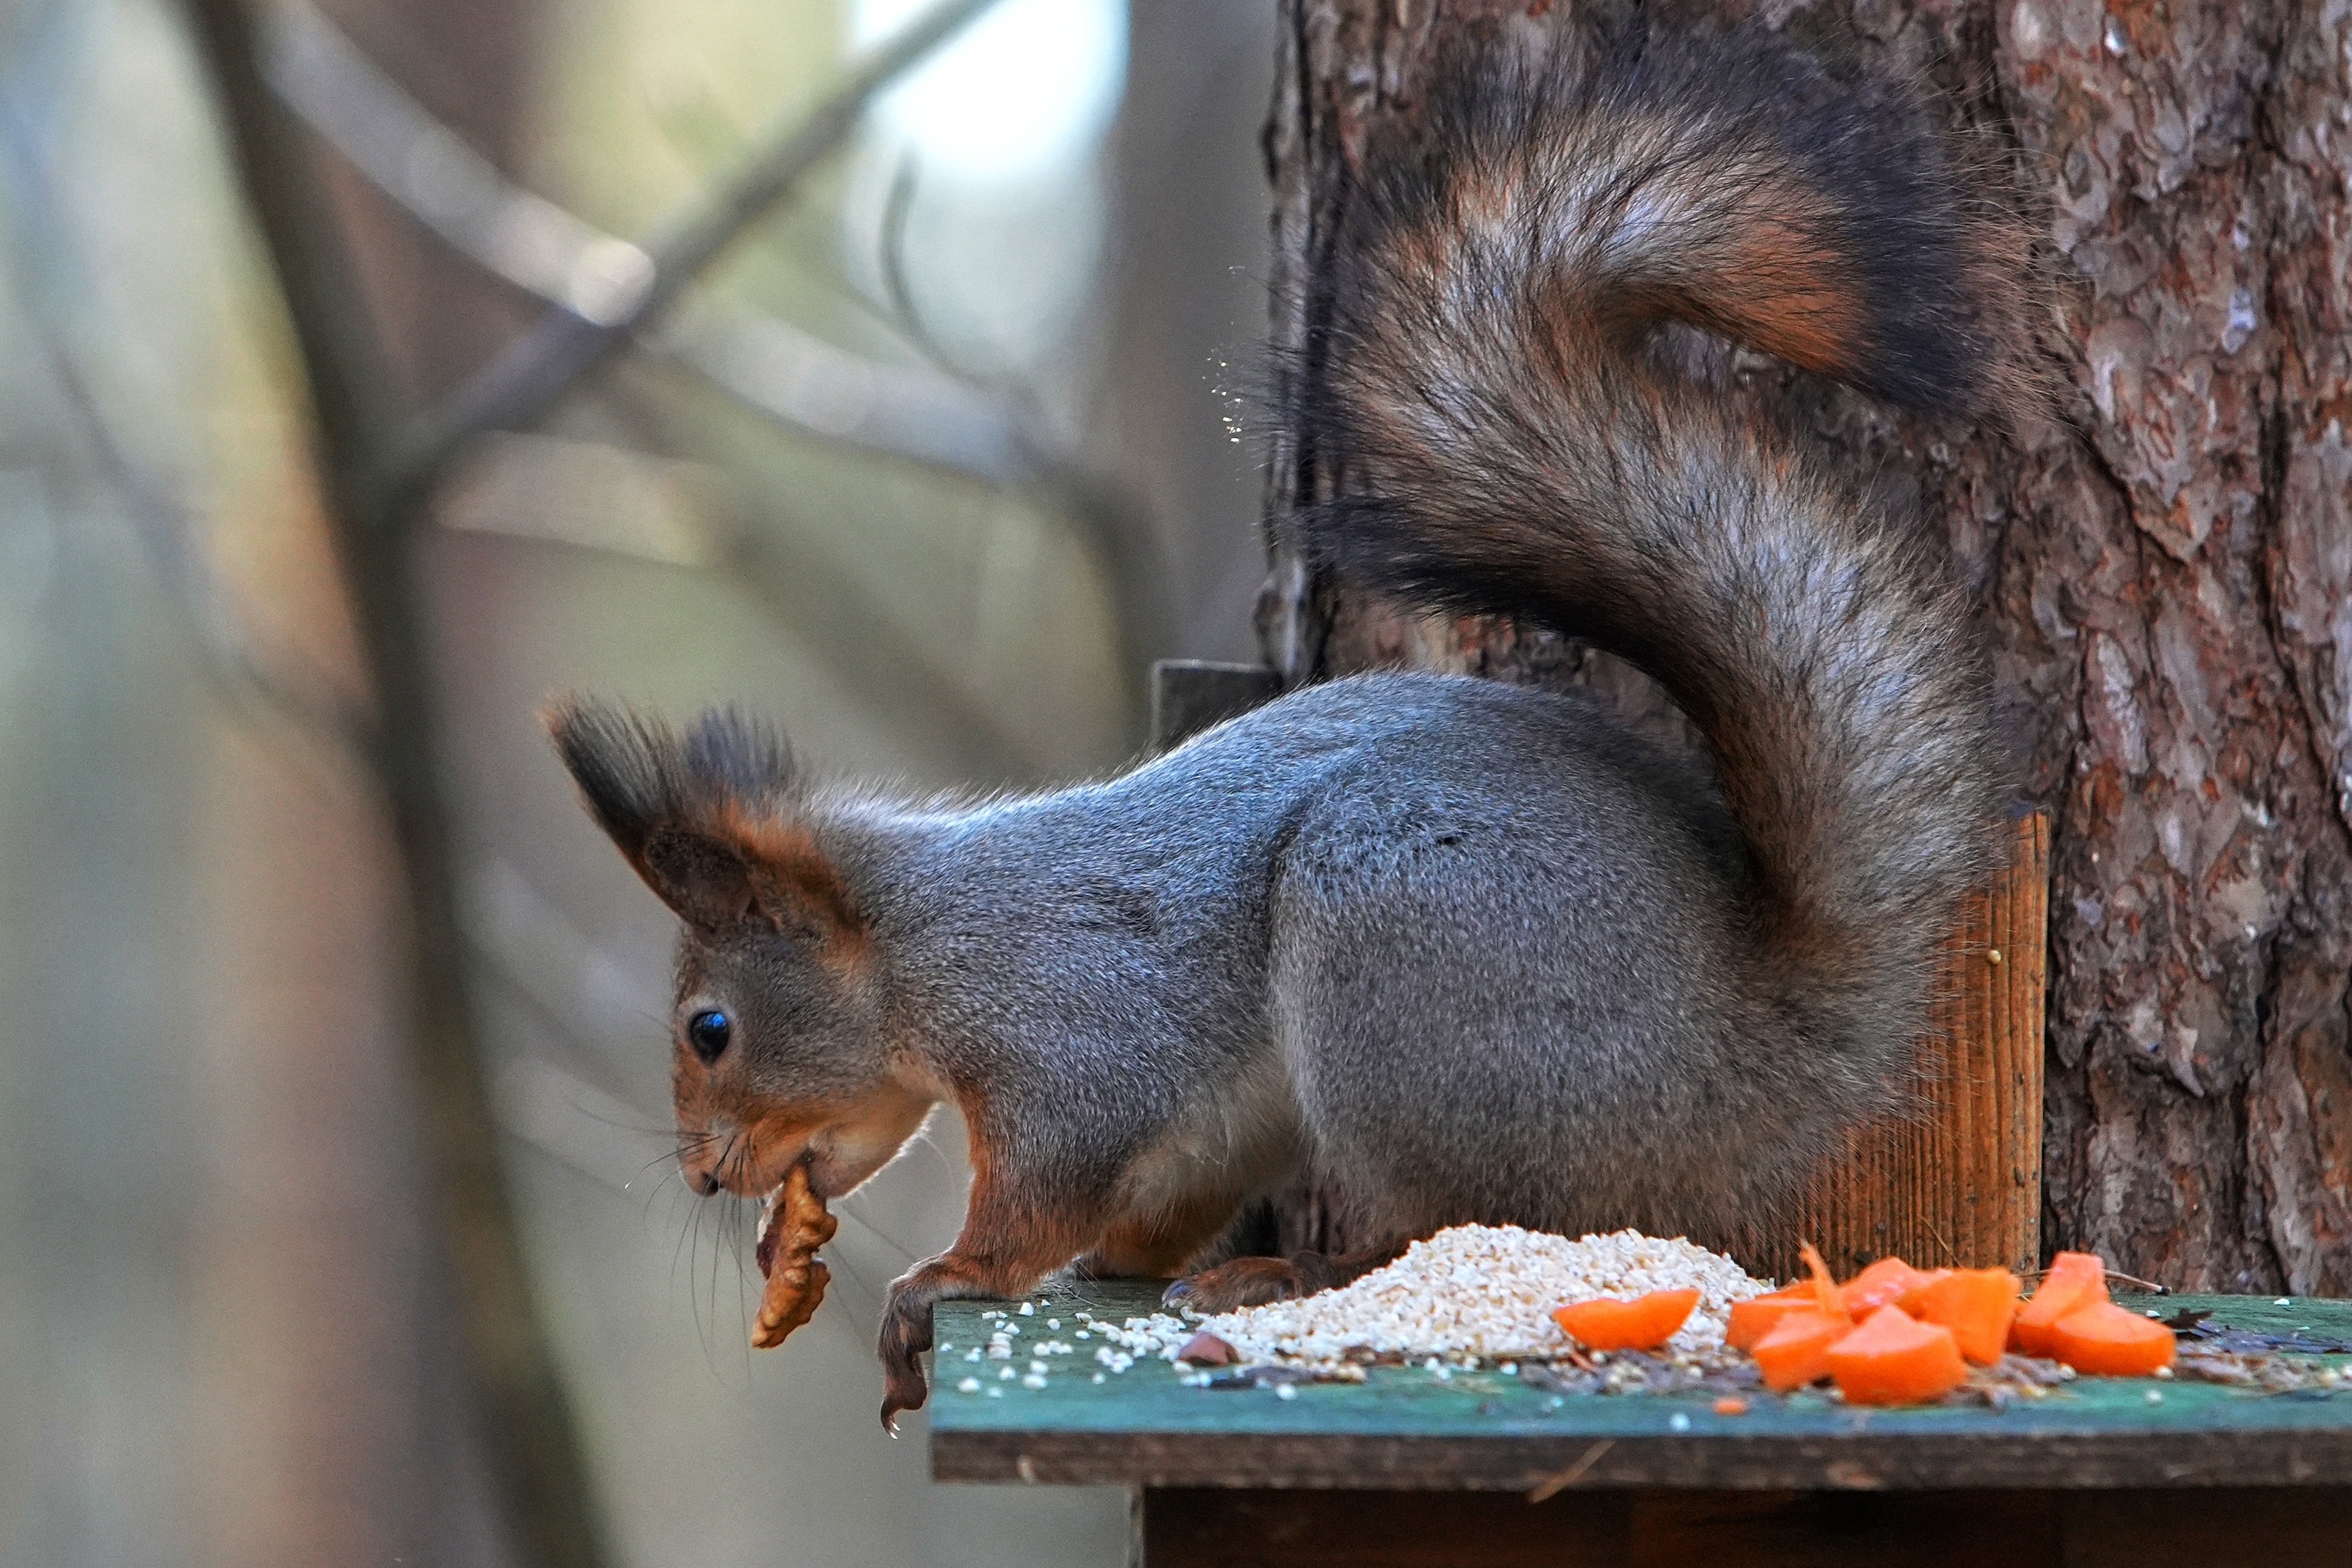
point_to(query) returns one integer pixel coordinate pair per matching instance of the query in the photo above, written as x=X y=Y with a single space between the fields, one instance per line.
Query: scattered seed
x=1471 y=1295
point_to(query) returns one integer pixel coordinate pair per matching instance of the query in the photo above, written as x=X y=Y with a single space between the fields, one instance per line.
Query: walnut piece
x=797 y=1226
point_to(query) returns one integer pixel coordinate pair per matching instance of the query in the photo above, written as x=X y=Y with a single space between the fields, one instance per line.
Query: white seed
x=1285 y=1391
x=969 y=1386
x=1471 y=1295
x=1027 y=1311
x=1035 y=1380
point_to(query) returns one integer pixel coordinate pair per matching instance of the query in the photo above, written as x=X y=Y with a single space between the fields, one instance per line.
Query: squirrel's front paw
x=905 y=1335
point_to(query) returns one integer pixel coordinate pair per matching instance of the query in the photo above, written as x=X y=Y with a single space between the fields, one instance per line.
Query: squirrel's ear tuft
x=623 y=765
x=706 y=818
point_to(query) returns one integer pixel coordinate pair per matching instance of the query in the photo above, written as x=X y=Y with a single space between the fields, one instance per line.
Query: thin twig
x=1552 y=1485
x=554 y=351
x=898 y=283
x=2151 y=1286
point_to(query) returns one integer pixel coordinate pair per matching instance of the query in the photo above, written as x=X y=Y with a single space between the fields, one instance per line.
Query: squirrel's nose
x=701 y=1153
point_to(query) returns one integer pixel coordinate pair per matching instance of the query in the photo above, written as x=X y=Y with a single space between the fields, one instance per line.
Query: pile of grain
x=1473 y=1293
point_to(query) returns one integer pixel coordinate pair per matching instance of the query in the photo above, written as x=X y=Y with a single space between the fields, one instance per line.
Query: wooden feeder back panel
x=1957 y=1179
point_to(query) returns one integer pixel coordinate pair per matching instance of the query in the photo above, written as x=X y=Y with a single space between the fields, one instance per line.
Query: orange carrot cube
x=1642 y=1323
x=1877 y=1284
x=2113 y=1341
x=2075 y=1279
x=1894 y=1358
x=1759 y=1315
x=1975 y=1304
x=1795 y=1351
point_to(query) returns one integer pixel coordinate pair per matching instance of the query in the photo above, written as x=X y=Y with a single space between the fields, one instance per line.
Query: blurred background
x=926 y=464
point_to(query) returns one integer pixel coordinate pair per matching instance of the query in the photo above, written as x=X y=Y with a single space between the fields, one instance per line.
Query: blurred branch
x=538 y=1477
x=807 y=385
x=542 y=363
x=433 y=174
x=791 y=377
x=285 y=687
x=890 y=254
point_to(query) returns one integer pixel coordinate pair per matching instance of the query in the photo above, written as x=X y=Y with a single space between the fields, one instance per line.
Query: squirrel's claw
x=904 y=1388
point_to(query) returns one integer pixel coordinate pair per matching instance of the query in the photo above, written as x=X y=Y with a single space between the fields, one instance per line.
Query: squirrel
x=1459 y=950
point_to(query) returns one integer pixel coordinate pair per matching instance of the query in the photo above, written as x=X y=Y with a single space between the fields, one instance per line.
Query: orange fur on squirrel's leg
x=1014 y=1233
x=1155 y=1245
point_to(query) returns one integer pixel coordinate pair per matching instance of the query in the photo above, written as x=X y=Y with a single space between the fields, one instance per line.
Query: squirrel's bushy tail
x=1510 y=443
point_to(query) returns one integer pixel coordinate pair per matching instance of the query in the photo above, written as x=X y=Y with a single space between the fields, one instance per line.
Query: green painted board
x=1405 y=1427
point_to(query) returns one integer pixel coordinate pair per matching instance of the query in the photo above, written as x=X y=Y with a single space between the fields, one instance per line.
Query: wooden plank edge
x=1857 y=1461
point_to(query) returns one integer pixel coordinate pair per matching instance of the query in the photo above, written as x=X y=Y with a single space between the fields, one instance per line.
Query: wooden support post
x=1957 y=1179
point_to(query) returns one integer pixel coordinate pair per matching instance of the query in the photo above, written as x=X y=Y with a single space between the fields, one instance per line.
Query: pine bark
x=2162 y=567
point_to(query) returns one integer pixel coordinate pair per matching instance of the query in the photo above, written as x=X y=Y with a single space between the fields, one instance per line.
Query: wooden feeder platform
x=1407 y=1467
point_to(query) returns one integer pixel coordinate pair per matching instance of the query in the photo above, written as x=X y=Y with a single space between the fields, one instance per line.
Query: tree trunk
x=2163 y=570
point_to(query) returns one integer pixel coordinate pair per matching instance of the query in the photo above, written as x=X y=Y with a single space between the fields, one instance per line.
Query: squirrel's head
x=780 y=1048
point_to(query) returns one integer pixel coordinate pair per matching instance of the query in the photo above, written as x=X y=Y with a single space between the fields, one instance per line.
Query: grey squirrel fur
x=1459 y=950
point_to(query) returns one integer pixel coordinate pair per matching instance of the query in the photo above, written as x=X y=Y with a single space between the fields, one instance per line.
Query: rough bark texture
x=2164 y=569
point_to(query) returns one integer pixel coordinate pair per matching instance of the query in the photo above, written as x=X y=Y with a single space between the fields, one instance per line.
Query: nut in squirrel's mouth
x=793 y=1226
x=763 y=1250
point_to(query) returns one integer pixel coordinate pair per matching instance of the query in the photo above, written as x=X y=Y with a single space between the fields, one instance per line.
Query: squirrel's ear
x=703 y=879
x=705 y=819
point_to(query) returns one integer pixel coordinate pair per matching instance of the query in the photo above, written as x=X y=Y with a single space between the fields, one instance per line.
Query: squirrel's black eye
x=708 y=1033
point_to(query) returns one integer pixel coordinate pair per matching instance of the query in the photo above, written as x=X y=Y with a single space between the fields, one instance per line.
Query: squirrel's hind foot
x=1255 y=1281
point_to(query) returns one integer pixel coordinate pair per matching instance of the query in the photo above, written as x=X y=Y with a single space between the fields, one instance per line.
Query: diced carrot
x=1759 y=1315
x=1894 y=1358
x=2111 y=1339
x=1795 y=1351
x=1877 y=1284
x=1975 y=1304
x=1642 y=1323
x=1731 y=1404
x=2075 y=1279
